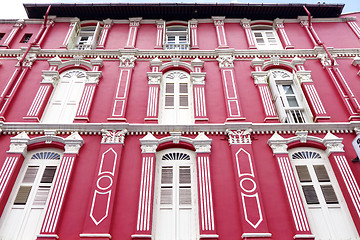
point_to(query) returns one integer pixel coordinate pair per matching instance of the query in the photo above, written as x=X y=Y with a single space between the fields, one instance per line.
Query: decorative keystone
x=239 y=136
x=127 y=61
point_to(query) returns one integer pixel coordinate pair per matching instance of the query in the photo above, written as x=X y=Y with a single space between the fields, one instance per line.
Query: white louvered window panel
x=176 y=201
x=23 y=215
x=266 y=38
x=177 y=38
x=176 y=99
x=328 y=216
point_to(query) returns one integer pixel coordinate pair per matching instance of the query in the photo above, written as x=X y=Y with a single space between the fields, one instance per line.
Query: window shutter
x=73 y=36
x=49 y=174
x=166 y=195
x=166 y=175
x=185 y=195
x=185 y=175
x=303 y=173
x=277 y=99
x=329 y=194
x=321 y=173
x=22 y=195
x=30 y=174
x=310 y=194
x=96 y=36
x=41 y=195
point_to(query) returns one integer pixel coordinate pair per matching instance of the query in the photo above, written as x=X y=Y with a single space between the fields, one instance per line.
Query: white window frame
x=64 y=96
x=278 y=78
x=177 y=43
x=21 y=231
x=87 y=37
x=325 y=227
x=266 y=37
x=159 y=232
x=176 y=114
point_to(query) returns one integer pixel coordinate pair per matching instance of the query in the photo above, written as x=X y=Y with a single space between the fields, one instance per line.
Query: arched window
x=175 y=208
x=65 y=98
x=176 y=101
x=23 y=215
x=328 y=215
x=266 y=37
x=177 y=38
x=289 y=100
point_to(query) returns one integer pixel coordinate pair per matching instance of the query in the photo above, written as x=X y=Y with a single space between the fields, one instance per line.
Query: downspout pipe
x=21 y=62
x=318 y=41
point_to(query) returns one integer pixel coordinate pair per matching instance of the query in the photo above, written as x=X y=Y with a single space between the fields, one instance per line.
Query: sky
x=13 y=9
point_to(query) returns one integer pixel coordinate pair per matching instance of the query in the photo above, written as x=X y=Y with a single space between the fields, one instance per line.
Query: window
x=23 y=215
x=65 y=98
x=26 y=38
x=288 y=98
x=177 y=38
x=266 y=38
x=176 y=99
x=2 y=36
x=87 y=38
x=325 y=206
x=175 y=210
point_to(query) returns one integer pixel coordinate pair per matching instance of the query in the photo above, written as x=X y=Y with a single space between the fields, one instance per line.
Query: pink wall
x=235 y=35
x=298 y=36
x=117 y=36
x=146 y=37
x=55 y=36
x=207 y=38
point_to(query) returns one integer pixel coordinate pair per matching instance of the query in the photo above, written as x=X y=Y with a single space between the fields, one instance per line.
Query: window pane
x=49 y=174
x=166 y=195
x=183 y=88
x=167 y=175
x=258 y=35
x=329 y=194
x=169 y=88
x=184 y=101
x=41 y=196
x=303 y=173
x=22 y=195
x=310 y=194
x=321 y=173
x=260 y=40
x=30 y=174
x=288 y=89
x=185 y=195
x=292 y=101
x=269 y=34
x=169 y=101
x=185 y=175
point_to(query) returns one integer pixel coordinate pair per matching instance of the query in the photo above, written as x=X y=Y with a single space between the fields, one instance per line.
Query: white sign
x=356 y=145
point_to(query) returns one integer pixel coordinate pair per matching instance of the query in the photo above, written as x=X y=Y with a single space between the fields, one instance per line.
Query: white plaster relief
x=198 y=78
x=239 y=136
x=304 y=76
x=19 y=143
x=73 y=143
x=113 y=137
x=226 y=61
x=127 y=61
x=154 y=77
x=50 y=77
x=260 y=77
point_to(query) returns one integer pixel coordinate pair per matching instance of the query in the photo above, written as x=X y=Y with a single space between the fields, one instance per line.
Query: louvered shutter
x=329 y=194
x=321 y=173
x=96 y=35
x=303 y=173
x=277 y=99
x=310 y=194
x=73 y=36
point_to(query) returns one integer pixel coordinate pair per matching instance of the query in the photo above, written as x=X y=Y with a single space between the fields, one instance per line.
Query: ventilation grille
x=306 y=155
x=46 y=155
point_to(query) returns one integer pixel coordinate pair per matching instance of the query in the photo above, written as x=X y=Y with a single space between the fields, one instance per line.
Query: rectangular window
x=26 y=38
x=266 y=38
x=2 y=36
x=177 y=38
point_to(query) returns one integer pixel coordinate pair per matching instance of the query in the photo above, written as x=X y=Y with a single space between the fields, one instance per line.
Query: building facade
x=180 y=122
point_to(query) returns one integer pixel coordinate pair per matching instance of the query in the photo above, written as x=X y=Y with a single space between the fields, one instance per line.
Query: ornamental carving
x=113 y=137
x=73 y=143
x=134 y=22
x=260 y=77
x=304 y=76
x=302 y=135
x=239 y=136
x=19 y=144
x=198 y=78
x=50 y=77
x=93 y=77
x=245 y=23
x=154 y=77
x=127 y=61
x=226 y=61
x=325 y=61
x=75 y=73
x=218 y=21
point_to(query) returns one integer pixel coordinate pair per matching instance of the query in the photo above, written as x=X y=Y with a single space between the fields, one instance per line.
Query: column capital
x=333 y=143
x=245 y=23
x=73 y=143
x=257 y=62
x=50 y=77
x=160 y=23
x=297 y=61
x=135 y=22
x=202 y=143
x=198 y=78
x=97 y=62
x=260 y=77
x=108 y=23
x=154 y=77
x=226 y=61
x=20 y=23
x=278 y=144
x=356 y=61
x=239 y=136
x=218 y=20
x=149 y=143
x=113 y=137
x=197 y=63
x=127 y=61
x=304 y=76
x=93 y=76
x=18 y=144
x=193 y=23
